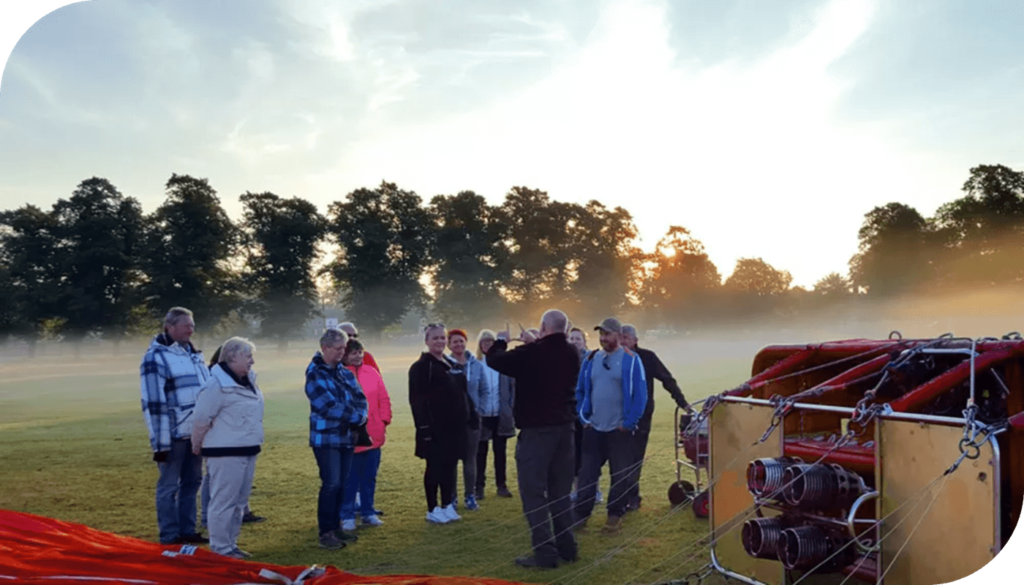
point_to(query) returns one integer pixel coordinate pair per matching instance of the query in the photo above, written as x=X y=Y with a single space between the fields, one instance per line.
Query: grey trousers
x=230 y=484
x=544 y=462
x=468 y=464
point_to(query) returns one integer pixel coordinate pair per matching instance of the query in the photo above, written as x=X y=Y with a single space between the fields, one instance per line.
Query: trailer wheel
x=681 y=492
x=702 y=505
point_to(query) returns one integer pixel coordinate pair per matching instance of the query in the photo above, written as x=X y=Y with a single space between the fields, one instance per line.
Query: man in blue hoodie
x=611 y=394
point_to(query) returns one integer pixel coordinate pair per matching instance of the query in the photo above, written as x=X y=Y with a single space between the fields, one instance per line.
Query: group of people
x=214 y=412
x=576 y=410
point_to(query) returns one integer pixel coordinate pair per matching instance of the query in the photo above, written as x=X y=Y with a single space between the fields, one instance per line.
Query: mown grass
x=73 y=446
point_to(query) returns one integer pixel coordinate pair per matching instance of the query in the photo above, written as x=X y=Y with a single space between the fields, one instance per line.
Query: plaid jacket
x=336 y=404
x=171 y=377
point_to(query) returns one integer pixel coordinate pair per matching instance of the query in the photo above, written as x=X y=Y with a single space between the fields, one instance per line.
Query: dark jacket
x=440 y=407
x=656 y=370
x=545 y=372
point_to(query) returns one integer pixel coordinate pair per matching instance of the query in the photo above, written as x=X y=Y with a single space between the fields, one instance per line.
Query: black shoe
x=504 y=493
x=346 y=537
x=192 y=539
x=535 y=563
x=251 y=518
x=569 y=559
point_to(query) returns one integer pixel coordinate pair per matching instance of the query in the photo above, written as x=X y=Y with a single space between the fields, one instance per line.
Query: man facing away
x=611 y=394
x=172 y=373
x=654 y=370
x=545 y=369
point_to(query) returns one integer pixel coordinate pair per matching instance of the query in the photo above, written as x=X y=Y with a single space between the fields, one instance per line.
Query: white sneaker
x=599 y=497
x=437 y=516
x=372 y=521
x=348 y=525
x=451 y=514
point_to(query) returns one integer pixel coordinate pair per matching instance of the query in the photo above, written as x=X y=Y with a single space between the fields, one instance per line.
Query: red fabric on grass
x=34 y=549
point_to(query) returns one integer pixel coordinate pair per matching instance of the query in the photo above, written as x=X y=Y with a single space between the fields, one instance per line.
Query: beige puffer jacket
x=228 y=414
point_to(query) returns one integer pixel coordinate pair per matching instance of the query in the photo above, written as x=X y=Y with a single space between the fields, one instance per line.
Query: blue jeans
x=334 y=464
x=361 y=481
x=176 y=489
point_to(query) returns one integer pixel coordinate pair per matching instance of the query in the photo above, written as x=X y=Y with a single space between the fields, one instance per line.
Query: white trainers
x=372 y=521
x=348 y=525
x=437 y=516
x=451 y=513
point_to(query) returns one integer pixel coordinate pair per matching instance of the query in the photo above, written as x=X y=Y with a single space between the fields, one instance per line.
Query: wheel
x=702 y=505
x=681 y=492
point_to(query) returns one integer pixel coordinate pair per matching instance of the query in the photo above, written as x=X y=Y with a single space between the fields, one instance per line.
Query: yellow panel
x=957 y=536
x=733 y=428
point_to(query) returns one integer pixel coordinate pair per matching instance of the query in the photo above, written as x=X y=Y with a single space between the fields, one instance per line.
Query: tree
x=682 y=279
x=283 y=235
x=893 y=254
x=28 y=254
x=470 y=259
x=386 y=237
x=190 y=241
x=756 y=277
x=833 y=284
x=983 y=232
x=535 y=232
x=99 y=233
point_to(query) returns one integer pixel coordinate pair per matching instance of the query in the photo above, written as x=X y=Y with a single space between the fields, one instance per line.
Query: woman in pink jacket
x=362 y=477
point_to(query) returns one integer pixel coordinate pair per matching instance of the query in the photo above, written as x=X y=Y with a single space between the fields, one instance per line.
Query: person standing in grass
x=228 y=432
x=478 y=386
x=171 y=374
x=353 y=333
x=578 y=338
x=496 y=421
x=441 y=411
x=362 y=478
x=337 y=407
x=545 y=369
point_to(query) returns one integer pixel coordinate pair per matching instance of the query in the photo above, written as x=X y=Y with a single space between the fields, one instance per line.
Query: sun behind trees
x=96 y=265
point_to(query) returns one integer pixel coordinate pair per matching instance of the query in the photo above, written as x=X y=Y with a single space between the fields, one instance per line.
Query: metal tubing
x=851 y=520
x=997 y=488
x=741 y=578
x=842 y=381
x=926 y=418
x=931 y=389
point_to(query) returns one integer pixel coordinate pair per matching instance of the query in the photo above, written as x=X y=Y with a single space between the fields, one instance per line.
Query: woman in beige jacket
x=228 y=432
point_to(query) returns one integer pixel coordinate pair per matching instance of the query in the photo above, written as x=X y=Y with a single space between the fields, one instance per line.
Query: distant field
x=73 y=446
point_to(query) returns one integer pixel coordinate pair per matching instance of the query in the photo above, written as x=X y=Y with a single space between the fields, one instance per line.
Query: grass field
x=73 y=446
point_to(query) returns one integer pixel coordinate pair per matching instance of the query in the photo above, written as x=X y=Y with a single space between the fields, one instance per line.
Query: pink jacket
x=378 y=403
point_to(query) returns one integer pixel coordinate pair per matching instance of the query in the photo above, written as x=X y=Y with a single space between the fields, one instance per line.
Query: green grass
x=73 y=446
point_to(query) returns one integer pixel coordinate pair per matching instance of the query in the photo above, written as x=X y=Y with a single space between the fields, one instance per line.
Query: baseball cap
x=610 y=324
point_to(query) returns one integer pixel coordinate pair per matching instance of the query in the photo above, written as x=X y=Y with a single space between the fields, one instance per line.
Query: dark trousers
x=334 y=464
x=500 y=463
x=440 y=473
x=180 y=477
x=578 y=462
x=544 y=464
x=615 y=447
x=639 y=452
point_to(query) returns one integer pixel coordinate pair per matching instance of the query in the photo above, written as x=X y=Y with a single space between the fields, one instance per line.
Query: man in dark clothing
x=545 y=369
x=654 y=370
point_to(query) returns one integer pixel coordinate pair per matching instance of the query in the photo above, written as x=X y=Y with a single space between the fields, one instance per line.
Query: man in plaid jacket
x=172 y=373
x=337 y=407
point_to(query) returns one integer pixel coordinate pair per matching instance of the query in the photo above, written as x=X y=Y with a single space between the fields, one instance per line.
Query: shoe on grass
x=471 y=503
x=347 y=537
x=437 y=516
x=330 y=541
x=250 y=518
x=536 y=563
x=451 y=514
x=242 y=553
x=480 y=493
x=348 y=525
x=613 y=526
x=599 y=498
x=503 y=492
x=192 y=539
x=372 y=520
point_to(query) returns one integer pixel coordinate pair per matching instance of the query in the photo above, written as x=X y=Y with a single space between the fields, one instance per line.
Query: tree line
x=96 y=264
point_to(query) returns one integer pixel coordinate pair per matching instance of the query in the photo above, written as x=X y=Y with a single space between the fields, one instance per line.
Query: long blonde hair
x=484 y=334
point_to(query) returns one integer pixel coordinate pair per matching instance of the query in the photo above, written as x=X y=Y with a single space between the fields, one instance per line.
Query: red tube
x=863 y=569
x=1017 y=421
x=853 y=457
x=842 y=381
x=931 y=389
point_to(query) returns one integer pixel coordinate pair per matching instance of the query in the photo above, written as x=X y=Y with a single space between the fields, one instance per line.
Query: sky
x=767 y=129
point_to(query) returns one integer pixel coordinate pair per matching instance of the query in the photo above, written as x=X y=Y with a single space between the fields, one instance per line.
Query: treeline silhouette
x=95 y=264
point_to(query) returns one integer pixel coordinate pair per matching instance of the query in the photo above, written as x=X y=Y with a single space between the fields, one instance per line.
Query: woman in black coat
x=441 y=411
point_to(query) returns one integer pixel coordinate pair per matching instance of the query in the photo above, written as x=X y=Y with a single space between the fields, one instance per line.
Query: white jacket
x=228 y=414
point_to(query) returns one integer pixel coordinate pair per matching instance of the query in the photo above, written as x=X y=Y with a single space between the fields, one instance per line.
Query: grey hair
x=630 y=330
x=556 y=321
x=431 y=327
x=348 y=327
x=234 y=347
x=333 y=337
x=175 y=315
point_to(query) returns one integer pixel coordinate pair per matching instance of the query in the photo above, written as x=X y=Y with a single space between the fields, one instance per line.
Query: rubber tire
x=681 y=492
x=702 y=505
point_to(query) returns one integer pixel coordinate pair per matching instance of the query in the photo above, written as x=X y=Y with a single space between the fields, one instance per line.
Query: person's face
x=436 y=341
x=576 y=338
x=486 y=344
x=182 y=330
x=333 y=353
x=241 y=363
x=628 y=340
x=350 y=331
x=457 y=344
x=354 y=358
x=609 y=340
